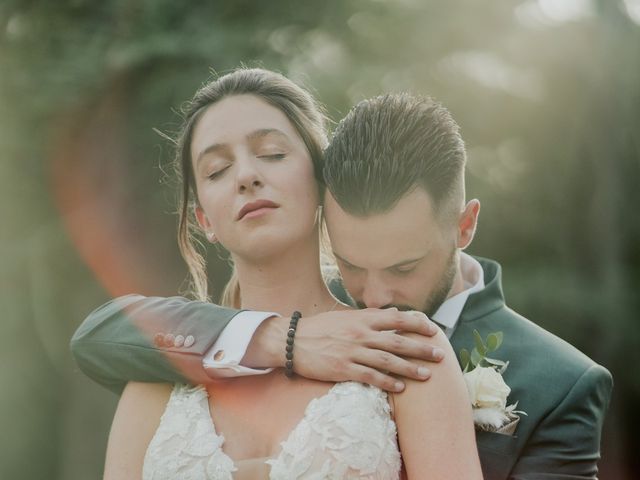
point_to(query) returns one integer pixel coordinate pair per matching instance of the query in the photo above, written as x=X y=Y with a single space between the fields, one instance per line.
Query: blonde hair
x=304 y=113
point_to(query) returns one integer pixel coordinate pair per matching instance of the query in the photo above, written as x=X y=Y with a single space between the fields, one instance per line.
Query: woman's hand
x=358 y=345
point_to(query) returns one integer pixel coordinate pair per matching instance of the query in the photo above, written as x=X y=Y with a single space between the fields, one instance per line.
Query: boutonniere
x=487 y=389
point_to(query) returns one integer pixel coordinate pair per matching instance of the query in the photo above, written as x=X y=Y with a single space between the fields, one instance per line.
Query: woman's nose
x=248 y=177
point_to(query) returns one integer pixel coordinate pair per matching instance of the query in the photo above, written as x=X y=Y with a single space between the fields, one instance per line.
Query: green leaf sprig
x=478 y=356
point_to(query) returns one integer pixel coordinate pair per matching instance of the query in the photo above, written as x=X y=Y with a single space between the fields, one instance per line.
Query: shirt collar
x=473 y=277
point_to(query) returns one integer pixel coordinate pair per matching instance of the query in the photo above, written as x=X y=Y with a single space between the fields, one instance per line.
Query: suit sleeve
x=123 y=340
x=566 y=444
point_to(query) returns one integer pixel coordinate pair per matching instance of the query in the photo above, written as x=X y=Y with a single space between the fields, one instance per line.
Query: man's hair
x=388 y=145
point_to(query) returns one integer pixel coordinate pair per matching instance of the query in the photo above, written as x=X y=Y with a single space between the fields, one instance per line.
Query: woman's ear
x=467 y=223
x=205 y=224
x=202 y=218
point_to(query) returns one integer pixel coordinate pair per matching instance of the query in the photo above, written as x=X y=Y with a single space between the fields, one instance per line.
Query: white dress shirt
x=223 y=359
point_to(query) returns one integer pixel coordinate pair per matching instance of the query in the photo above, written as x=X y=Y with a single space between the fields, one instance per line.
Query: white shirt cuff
x=223 y=358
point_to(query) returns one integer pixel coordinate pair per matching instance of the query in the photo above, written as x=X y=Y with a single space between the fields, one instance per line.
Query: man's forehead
x=416 y=194
x=412 y=213
x=404 y=233
x=379 y=253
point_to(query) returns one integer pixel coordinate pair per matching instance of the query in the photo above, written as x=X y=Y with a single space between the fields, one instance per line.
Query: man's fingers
x=392 y=319
x=364 y=374
x=392 y=364
x=407 y=347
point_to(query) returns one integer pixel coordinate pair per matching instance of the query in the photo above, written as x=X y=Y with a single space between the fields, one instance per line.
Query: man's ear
x=467 y=223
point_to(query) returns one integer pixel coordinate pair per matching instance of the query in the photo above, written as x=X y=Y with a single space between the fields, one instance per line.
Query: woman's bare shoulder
x=136 y=420
x=445 y=373
x=151 y=391
x=147 y=400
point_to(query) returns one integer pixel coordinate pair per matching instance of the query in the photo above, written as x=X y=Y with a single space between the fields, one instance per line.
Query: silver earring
x=212 y=237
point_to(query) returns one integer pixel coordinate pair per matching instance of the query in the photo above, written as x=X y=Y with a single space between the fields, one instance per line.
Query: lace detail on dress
x=186 y=445
x=346 y=434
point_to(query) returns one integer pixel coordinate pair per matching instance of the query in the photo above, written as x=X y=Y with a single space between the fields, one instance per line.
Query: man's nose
x=376 y=295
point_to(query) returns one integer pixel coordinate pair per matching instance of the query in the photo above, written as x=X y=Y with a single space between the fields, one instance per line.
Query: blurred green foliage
x=547 y=94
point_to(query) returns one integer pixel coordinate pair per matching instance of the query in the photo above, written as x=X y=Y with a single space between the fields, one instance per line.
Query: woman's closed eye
x=217 y=173
x=272 y=156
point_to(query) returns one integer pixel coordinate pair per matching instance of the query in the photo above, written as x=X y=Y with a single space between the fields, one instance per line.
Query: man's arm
x=566 y=444
x=124 y=340
x=357 y=345
x=133 y=338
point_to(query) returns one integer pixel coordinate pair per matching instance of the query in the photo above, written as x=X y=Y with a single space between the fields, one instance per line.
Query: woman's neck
x=291 y=281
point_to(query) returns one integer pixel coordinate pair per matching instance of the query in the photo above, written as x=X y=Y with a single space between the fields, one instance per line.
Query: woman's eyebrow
x=255 y=135
x=214 y=147
x=263 y=132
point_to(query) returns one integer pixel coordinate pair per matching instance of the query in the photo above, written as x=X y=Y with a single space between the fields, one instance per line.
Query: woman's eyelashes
x=273 y=156
x=216 y=173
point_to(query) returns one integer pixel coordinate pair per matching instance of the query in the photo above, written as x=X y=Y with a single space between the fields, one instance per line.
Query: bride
x=250 y=155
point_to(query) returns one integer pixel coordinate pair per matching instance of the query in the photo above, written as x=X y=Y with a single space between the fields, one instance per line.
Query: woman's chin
x=266 y=246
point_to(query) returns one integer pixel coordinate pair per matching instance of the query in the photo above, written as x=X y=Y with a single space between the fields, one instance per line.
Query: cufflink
x=169 y=339
x=179 y=341
x=190 y=340
x=218 y=356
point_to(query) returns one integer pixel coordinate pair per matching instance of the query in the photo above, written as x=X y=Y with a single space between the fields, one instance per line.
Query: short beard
x=440 y=292
x=443 y=288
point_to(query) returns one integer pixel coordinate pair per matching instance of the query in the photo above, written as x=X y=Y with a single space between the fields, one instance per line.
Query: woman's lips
x=256 y=209
x=257 y=213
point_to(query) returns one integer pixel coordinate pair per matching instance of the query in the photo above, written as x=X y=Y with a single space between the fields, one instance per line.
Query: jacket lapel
x=498 y=452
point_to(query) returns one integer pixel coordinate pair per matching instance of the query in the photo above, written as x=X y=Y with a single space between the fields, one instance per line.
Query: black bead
x=291 y=333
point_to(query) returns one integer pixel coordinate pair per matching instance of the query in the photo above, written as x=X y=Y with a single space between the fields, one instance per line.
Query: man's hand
x=358 y=345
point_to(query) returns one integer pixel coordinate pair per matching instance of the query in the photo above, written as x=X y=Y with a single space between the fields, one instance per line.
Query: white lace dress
x=345 y=434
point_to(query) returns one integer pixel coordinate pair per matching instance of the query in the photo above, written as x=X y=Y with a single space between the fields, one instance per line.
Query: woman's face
x=254 y=178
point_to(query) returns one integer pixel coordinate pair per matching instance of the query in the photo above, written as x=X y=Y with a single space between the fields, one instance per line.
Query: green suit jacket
x=564 y=393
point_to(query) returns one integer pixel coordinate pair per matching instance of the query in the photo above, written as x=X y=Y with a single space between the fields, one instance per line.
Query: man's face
x=402 y=258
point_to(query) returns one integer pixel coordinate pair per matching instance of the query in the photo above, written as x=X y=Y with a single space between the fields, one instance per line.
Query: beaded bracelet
x=291 y=333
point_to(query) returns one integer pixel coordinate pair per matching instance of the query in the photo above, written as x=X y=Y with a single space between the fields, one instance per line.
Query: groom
x=398 y=222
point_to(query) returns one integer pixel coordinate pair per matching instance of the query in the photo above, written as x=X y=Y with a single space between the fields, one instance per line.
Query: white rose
x=486 y=388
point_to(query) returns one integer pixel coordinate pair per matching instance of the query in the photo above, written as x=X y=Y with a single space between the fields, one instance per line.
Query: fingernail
x=398 y=386
x=423 y=372
x=438 y=353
